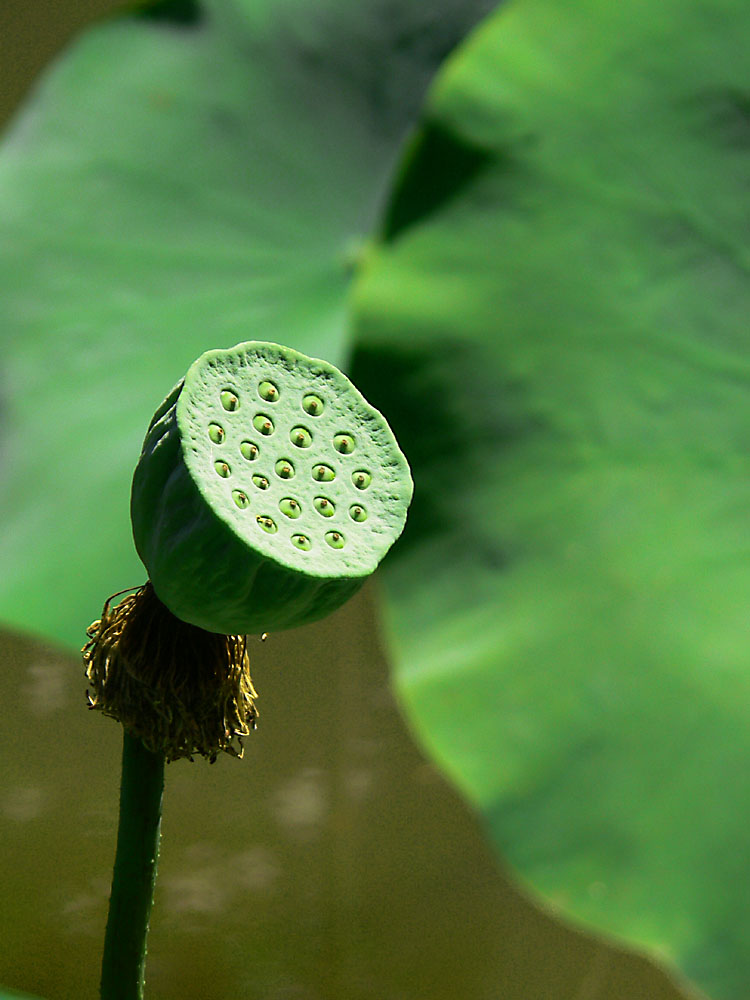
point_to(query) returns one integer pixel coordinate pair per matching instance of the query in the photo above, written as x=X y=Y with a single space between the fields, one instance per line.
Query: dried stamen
x=182 y=690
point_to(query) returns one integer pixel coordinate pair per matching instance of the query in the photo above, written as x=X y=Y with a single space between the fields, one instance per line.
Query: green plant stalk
x=134 y=874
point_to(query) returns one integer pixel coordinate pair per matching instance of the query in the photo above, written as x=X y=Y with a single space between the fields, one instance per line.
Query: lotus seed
x=249 y=450
x=344 y=443
x=313 y=405
x=324 y=506
x=301 y=437
x=267 y=524
x=261 y=482
x=240 y=499
x=216 y=433
x=357 y=513
x=223 y=469
x=284 y=469
x=268 y=391
x=290 y=507
x=229 y=400
x=335 y=539
x=301 y=542
x=323 y=473
x=361 y=479
x=263 y=424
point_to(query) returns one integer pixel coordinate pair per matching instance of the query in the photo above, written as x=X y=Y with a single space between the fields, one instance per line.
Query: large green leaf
x=557 y=326
x=174 y=187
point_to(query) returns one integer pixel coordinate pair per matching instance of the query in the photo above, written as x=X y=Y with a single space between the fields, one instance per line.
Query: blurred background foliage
x=549 y=291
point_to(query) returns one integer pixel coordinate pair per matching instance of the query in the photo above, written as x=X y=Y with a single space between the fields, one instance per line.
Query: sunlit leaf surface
x=557 y=326
x=172 y=187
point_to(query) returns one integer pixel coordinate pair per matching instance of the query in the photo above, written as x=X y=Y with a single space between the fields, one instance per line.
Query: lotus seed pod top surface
x=289 y=455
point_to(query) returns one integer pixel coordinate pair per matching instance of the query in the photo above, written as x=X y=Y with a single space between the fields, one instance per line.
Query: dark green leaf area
x=438 y=165
x=570 y=604
x=186 y=13
x=173 y=187
x=450 y=389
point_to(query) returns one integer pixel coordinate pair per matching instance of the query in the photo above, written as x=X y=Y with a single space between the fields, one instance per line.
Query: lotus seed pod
x=267 y=491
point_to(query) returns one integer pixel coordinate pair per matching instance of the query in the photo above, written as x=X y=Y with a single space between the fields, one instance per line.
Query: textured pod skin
x=212 y=474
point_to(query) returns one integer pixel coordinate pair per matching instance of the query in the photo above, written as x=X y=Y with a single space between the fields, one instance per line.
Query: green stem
x=135 y=871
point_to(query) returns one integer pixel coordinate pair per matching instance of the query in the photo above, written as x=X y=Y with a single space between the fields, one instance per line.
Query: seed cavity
x=313 y=405
x=223 y=469
x=302 y=542
x=323 y=473
x=267 y=524
x=263 y=424
x=229 y=400
x=284 y=469
x=240 y=499
x=300 y=436
x=344 y=443
x=361 y=479
x=249 y=450
x=290 y=507
x=335 y=539
x=269 y=392
x=324 y=506
x=261 y=482
x=216 y=433
x=357 y=513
